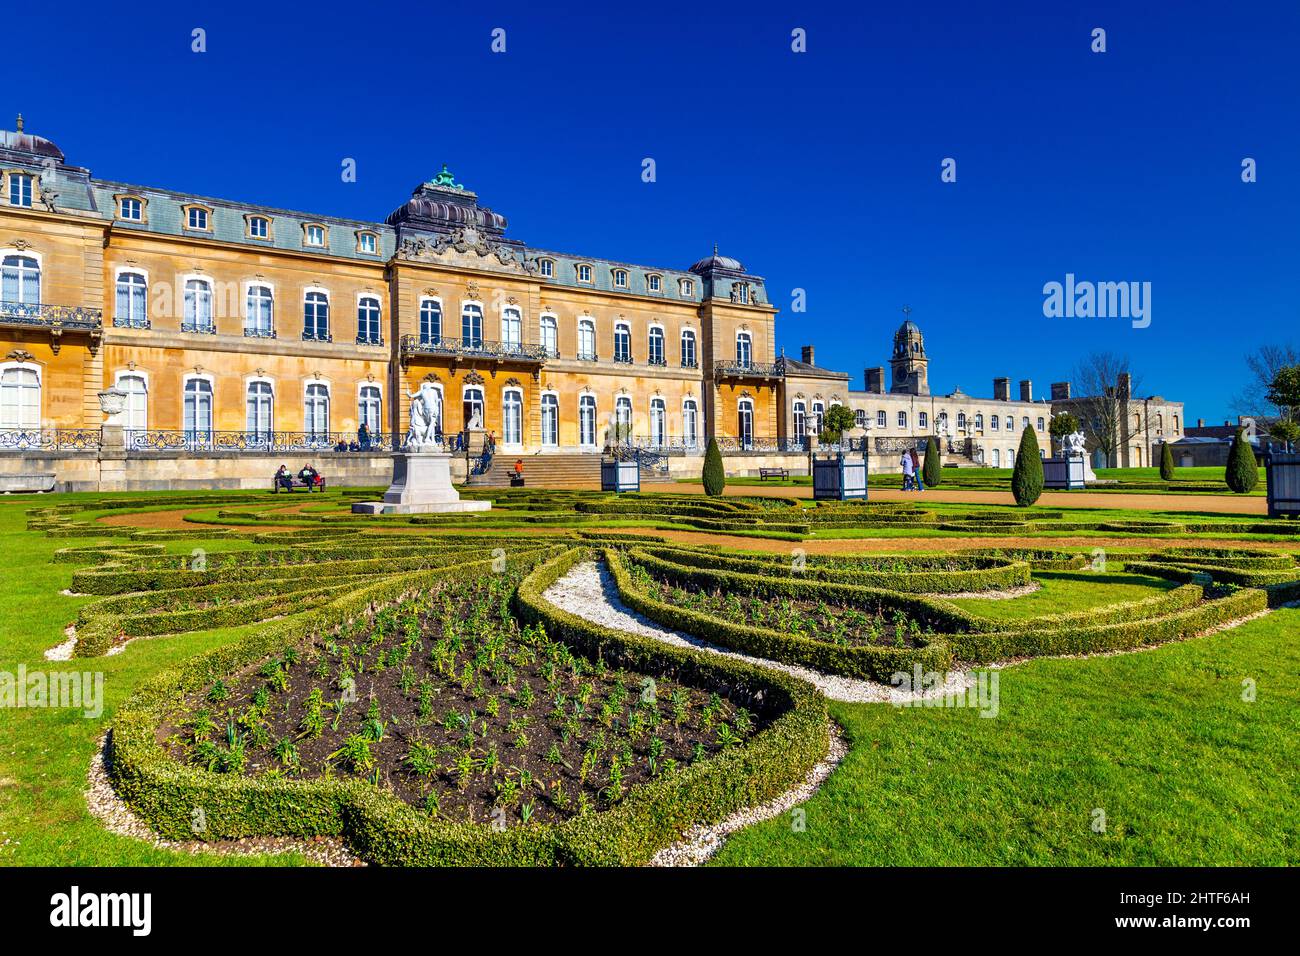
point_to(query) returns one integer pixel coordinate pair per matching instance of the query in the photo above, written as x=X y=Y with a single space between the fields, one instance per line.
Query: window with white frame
x=1011 y=423
x=653 y=282
x=860 y=417
x=512 y=417
x=313 y=234
x=131 y=310
x=1024 y=424
x=198 y=306
x=20 y=398
x=20 y=189
x=197 y=411
x=316 y=316
x=472 y=405
x=923 y=419
x=130 y=209
x=367 y=243
x=658 y=422
x=656 y=346
x=587 y=339
x=690 y=422
x=745 y=422
x=818 y=412
x=20 y=280
x=584 y=273
x=259 y=405
x=1011 y=458
x=622 y=418
x=740 y=292
x=622 y=342
x=550 y=336
x=512 y=328
x=430 y=321
x=546 y=268
x=620 y=278
x=902 y=419
x=135 y=411
x=881 y=420
x=259 y=312
x=550 y=420
x=994 y=422
x=1040 y=425
x=370 y=409
x=997 y=458
x=800 y=415
x=979 y=421
x=259 y=227
x=686 y=288
x=744 y=349
x=316 y=411
x=368 y=321
x=471 y=325
x=689 y=359
x=961 y=419
x=196 y=217
x=587 y=420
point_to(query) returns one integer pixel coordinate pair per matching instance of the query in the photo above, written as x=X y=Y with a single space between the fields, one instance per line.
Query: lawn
x=1061 y=592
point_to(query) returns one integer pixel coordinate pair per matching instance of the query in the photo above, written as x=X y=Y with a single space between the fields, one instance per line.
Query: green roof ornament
x=446 y=179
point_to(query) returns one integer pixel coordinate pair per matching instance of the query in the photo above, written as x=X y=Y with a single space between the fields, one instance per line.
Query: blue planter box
x=1282 y=472
x=620 y=476
x=1063 y=474
x=839 y=479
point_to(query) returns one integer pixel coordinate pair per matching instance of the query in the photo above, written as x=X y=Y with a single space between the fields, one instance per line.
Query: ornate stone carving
x=473 y=378
x=466 y=246
x=20 y=355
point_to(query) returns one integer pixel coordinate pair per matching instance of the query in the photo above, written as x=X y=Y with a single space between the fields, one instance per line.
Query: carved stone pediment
x=467 y=246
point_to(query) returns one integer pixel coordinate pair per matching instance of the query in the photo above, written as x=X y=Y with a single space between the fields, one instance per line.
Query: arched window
x=512 y=417
x=994 y=422
x=20 y=398
x=316 y=316
x=882 y=419
x=512 y=328
x=658 y=422
x=370 y=410
x=198 y=306
x=430 y=321
x=259 y=312
x=472 y=406
x=130 y=312
x=550 y=336
x=1011 y=423
x=622 y=418
x=818 y=410
x=656 y=346
x=259 y=403
x=744 y=349
x=997 y=458
x=620 y=278
x=922 y=420
x=961 y=419
x=622 y=342
x=801 y=419
x=902 y=419
x=135 y=416
x=587 y=420
x=979 y=421
x=368 y=321
x=688 y=349
x=1011 y=458
x=198 y=411
x=550 y=420
x=587 y=340
x=316 y=411
x=20 y=280
x=1024 y=424
x=690 y=423
x=745 y=423
x=471 y=325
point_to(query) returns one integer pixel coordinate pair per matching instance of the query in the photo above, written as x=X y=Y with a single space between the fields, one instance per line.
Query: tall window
x=622 y=342
x=198 y=306
x=620 y=278
x=370 y=410
x=587 y=420
x=316 y=411
x=656 y=345
x=686 y=287
x=1011 y=424
x=512 y=328
x=688 y=349
x=882 y=419
x=744 y=349
x=258 y=403
x=961 y=419
x=198 y=411
x=587 y=340
x=259 y=227
x=800 y=419
x=471 y=325
x=550 y=336
x=818 y=410
x=993 y=422
x=979 y=421
x=550 y=420
x=546 y=268
x=430 y=321
x=314 y=235
x=902 y=419
x=135 y=416
x=20 y=398
x=316 y=317
x=923 y=419
x=131 y=301
x=745 y=423
x=1040 y=425
x=20 y=189
x=368 y=321
x=584 y=273
x=20 y=280
x=658 y=422
x=690 y=422
x=653 y=283
x=997 y=458
x=472 y=405
x=259 y=308
x=512 y=417
x=622 y=418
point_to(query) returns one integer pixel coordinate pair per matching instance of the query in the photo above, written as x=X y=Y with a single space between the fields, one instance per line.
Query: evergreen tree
x=1027 y=476
x=1242 y=473
x=932 y=470
x=714 y=478
x=1166 y=463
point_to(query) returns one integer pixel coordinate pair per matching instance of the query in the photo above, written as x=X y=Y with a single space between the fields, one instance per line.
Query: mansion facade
x=227 y=325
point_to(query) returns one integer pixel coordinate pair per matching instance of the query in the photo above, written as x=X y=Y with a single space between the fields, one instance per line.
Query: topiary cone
x=714 y=477
x=932 y=470
x=1242 y=473
x=1166 y=463
x=1027 y=475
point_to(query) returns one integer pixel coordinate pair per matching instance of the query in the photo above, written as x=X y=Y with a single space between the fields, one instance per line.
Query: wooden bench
x=766 y=473
x=276 y=487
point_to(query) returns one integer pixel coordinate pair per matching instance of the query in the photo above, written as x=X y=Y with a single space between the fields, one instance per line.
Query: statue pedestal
x=421 y=485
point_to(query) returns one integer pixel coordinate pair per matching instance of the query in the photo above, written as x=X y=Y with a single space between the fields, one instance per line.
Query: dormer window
x=654 y=283
x=584 y=273
x=198 y=218
x=313 y=234
x=259 y=227
x=367 y=243
x=620 y=278
x=686 y=288
x=131 y=209
x=20 y=189
x=546 y=268
x=740 y=292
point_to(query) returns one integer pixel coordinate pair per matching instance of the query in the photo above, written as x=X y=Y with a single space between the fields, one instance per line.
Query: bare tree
x=1264 y=364
x=1100 y=380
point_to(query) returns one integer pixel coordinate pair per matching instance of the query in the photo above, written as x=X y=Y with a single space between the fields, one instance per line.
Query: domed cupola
x=909 y=364
x=443 y=205
x=716 y=263
x=27 y=146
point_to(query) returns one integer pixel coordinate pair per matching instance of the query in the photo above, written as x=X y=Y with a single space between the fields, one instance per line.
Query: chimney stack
x=1026 y=390
x=1200 y=423
x=1125 y=386
x=1060 y=391
x=874 y=379
x=1002 y=390
x=808 y=355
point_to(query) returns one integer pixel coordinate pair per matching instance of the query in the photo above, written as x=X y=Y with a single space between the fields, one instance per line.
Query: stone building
x=1141 y=424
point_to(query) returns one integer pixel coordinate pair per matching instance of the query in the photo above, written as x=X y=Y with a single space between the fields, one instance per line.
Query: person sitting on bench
x=309 y=477
x=283 y=479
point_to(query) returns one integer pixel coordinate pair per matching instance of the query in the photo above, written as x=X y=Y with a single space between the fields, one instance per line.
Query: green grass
x=1186 y=772
x=1064 y=591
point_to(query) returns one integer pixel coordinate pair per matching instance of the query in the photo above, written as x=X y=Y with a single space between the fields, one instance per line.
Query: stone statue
x=1074 y=445
x=426 y=418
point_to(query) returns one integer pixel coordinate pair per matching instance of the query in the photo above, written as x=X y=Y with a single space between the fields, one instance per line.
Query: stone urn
x=112 y=402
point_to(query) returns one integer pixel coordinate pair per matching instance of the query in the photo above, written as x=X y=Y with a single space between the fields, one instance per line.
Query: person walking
x=916 y=470
x=909 y=470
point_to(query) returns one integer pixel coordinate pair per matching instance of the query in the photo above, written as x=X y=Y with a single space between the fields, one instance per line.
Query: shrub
x=1027 y=476
x=932 y=470
x=1166 y=462
x=714 y=478
x=1242 y=473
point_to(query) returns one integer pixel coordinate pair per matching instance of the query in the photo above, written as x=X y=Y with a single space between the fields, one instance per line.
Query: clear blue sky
x=819 y=170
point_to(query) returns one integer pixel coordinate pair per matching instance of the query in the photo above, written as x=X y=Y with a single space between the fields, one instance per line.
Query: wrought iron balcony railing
x=258 y=333
x=121 y=322
x=737 y=369
x=202 y=328
x=367 y=339
x=48 y=439
x=474 y=348
x=45 y=315
x=315 y=335
x=731 y=445
x=177 y=440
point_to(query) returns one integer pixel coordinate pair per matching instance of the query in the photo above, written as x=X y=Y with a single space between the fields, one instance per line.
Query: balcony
x=200 y=328
x=121 y=322
x=207 y=440
x=316 y=335
x=56 y=319
x=473 y=349
x=747 y=371
x=365 y=338
x=251 y=333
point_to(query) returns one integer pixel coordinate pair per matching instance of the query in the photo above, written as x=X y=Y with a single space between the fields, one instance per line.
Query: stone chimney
x=1200 y=423
x=1060 y=391
x=1002 y=390
x=1026 y=390
x=874 y=379
x=1125 y=386
x=807 y=355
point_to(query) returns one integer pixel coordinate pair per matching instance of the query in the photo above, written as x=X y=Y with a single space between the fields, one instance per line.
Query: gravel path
x=589 y=592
